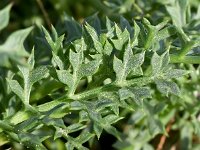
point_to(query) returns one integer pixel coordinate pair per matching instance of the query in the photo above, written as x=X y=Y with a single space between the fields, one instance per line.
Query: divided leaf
x=130 y=62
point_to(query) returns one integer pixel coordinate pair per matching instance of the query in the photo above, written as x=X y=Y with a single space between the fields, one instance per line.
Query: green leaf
x=4 y=16
x=122 y=38
x=166 y=87
x=97 y=129
x=111 y=118
x=155 y=126
x=174 y=73
x=88 y=69
x=178 y=7
x=31 y=141
x=16 y=88
x=13 y=48
x=75 y=127
x=38 y=74
x=75 y=59
x=31 y=60
x=55 y=43
x=65 y=77
x=84 y=137
x=112 y=130
x=57 y=61
x=72 y=27
x=156 y=63
x=126 y=25
x=130 y=62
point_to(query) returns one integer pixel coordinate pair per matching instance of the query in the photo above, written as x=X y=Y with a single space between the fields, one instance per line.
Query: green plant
x=98 y=75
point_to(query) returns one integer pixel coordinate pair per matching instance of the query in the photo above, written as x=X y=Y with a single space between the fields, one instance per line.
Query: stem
x=163 y=137
x=140 y=81
x=187 y=47
x=46 y=16
x=185 y=59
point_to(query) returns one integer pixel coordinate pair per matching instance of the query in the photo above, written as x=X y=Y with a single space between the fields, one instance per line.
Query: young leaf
x=156 y=63
x=166 y=87
x=38 y=74
x=16 y=88
x=75 y=59
x=4 y=16
x=130 y=62
x=88 y=69
x=65 y=77
x=14 y=47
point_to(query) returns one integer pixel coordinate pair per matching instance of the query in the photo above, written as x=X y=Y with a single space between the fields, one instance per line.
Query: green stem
x=187 y=47
x=111 y=87
x=6 y=126
x=185 y=59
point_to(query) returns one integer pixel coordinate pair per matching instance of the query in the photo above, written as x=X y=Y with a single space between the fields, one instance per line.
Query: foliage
x=129 y=79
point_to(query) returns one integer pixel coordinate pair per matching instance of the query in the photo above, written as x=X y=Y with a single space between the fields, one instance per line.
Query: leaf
x=111 y=118
x=13 y=48
x=88 y=69
x=31 y=60
x=113 y=131
x=179 y=8
x=75 y=127
x=110 y=28
x=125 y=25
x=31 y=141
x=130 y=62
x=27 y=124
x=155 y=126
x=166 y=87
x=65 y=77
x=56 y=61
x=156 y=63
x=84 y=137
x=125 y=93
x=174 y=73
x=94 y=37
x=38 y=74
x=55 y=43
x=97 y=129
x=72 y=27
x=122 y=38
x=75 y=59
x=14 y=43
x=16 y=88
x=137 y=94
x=4 y=16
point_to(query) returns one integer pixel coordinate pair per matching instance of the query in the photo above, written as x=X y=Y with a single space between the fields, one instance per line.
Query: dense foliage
x=126 y=78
